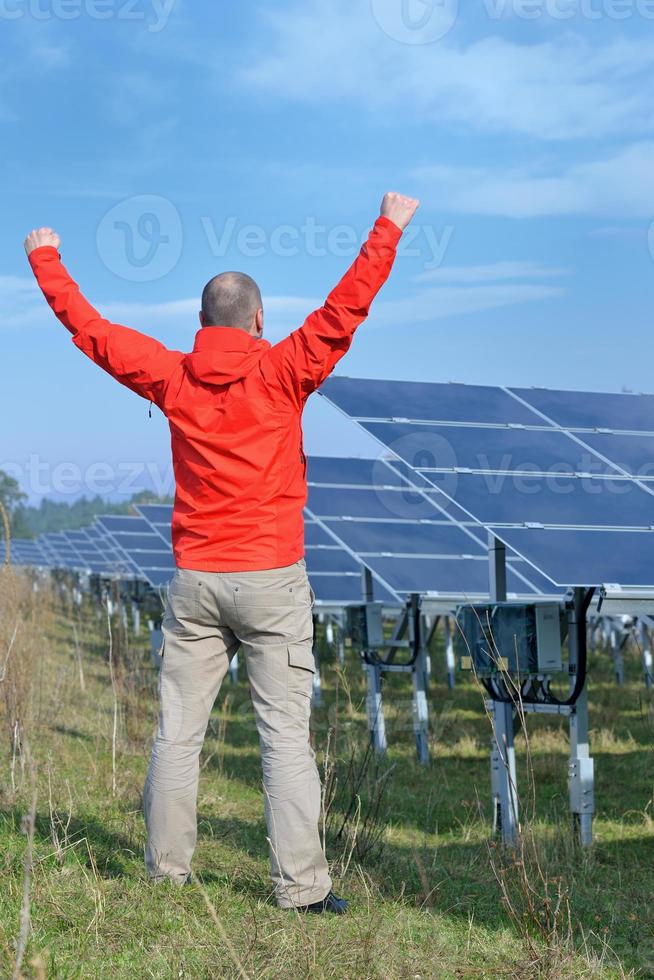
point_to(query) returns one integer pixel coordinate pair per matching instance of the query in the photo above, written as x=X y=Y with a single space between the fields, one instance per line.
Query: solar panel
x=511 y=478
x=592 y=410
x=156 y=513
x=24 y=551
x=572 y=502
x=587 y=557
x=453 y=576
x=503 y=449
x=419 y=400
x=403 y=537
x=159 y=518
x=348 y=471
x=634 y=454
x=126 y=525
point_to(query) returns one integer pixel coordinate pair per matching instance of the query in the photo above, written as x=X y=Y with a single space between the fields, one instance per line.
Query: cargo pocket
x=301 y=668
x=183 y=606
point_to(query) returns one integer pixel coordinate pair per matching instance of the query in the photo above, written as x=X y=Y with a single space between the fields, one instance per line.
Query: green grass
x=426 y=906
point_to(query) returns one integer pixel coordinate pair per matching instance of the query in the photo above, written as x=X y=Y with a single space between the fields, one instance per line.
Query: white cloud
x=282 y=314
x=495 y=272
x=565 y=88
x=449 y=301
x=619 y=185
x=21 y=303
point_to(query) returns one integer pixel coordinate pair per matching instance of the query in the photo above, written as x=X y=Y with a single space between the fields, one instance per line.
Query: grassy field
x=431 y=896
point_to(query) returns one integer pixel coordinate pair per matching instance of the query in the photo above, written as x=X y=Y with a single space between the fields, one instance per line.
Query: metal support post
x=503 y=769
x=581 y=767
x=156 y=646
x=450 y=661
x=233 y=669
x=419 y=677
x=375 y=709
x=317 y=683
x=616 y=652
x=374 y=701
x=646 y=649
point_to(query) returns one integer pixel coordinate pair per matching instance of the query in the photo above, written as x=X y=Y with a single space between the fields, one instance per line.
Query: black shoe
x=329 y=904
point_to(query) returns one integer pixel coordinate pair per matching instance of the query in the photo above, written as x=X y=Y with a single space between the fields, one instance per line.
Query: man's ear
x=257 y=325
x=201 y=318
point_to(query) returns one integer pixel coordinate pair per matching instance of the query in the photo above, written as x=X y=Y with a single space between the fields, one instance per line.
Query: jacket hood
x=222 y=355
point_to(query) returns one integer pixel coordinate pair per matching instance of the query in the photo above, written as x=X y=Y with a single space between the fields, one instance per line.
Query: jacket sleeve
x=302 y=361
x=137 y=361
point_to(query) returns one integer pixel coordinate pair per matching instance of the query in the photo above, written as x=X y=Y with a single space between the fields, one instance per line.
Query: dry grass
x=430 y=900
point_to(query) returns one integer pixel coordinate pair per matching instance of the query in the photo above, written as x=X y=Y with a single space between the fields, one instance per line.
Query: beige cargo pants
x=209 y=616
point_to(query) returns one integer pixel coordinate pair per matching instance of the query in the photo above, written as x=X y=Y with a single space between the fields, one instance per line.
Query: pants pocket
x=183 y=606
x=301 y=668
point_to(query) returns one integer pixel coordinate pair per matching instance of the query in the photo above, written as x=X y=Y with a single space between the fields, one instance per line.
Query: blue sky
x=167 y=141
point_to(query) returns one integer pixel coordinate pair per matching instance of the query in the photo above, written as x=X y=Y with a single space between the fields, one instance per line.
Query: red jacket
x=234 y=406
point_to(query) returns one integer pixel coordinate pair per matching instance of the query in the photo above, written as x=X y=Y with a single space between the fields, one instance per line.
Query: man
x=234 y=405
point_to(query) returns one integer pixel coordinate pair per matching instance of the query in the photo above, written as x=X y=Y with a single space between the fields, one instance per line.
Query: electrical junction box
x=365 y=625
x=516 y=638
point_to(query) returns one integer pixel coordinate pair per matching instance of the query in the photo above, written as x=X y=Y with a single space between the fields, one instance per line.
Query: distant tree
x=11 y=494
x=57 y=515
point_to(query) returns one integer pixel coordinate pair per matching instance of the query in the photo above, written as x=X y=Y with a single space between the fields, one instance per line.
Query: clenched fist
x=399 y=209
x=40 y=237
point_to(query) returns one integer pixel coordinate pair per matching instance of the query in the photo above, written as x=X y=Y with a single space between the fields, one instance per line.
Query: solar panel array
x=378 y=514
x=360 y=513
x=565 y=479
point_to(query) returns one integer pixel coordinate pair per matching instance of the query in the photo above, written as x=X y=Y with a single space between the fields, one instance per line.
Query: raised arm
x=302 y=361
x=137 y=361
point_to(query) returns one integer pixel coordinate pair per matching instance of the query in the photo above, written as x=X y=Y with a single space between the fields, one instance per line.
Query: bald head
x=231 y=299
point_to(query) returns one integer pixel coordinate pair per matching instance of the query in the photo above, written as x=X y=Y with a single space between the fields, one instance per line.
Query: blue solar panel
x=128 y=525
x=352 y=472
x=158 y=578
x=143 y=560
x=139 y=542
x=587 y=558
x=568 y=501
x=340 y=590
x=422 y=400
x=398 y=538
x=592 y=410
x=518 y=499
x=156 y=513
x=315 y=536
x=330 y=560
x=445 y=577
x=374 y=504
x=631 y=453
x=426 y=447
